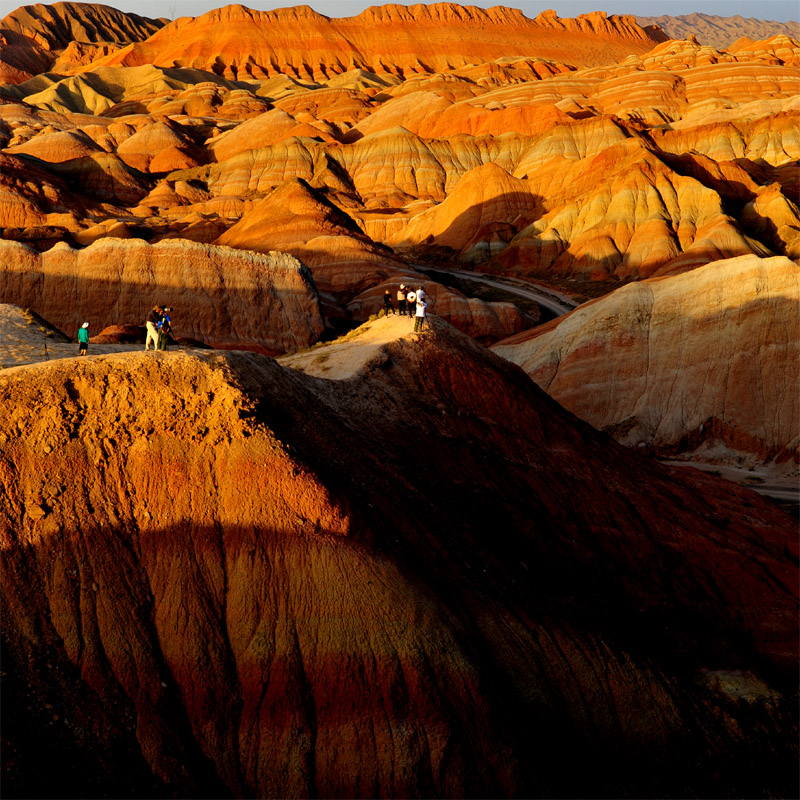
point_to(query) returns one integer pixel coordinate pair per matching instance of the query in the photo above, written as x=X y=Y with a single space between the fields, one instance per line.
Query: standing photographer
x=164 y=327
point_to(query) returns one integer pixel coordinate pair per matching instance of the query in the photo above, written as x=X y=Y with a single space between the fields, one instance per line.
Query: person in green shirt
x=83 y=338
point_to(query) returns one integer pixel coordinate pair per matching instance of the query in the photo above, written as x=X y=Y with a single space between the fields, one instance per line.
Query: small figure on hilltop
x=401 y=300
x=387 y=303
x=151 y=323
x=83 y=339
x=411 y=298
x=164 y=327
x=422 y=307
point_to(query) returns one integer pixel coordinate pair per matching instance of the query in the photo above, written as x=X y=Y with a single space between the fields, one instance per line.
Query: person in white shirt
x=419 y=322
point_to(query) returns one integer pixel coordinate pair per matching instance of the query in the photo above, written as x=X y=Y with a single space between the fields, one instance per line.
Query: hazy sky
x=781 y=10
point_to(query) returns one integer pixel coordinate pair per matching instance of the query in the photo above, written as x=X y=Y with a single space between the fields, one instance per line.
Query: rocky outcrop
x=480 y=216
x=296 y=219
x=234 y=598
x=350 y=269
x=704 y=362
x=20 y=58
x=30 y=196
x=223 y=297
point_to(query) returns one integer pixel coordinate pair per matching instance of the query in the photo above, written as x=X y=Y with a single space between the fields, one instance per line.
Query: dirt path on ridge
x=345 y=357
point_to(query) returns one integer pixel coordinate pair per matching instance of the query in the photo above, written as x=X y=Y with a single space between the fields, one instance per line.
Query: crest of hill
x=238 y=42
x=720 y=31
x=54 y=26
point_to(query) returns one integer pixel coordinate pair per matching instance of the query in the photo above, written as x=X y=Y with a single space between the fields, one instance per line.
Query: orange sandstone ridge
x=238 y=42
x=706 y=361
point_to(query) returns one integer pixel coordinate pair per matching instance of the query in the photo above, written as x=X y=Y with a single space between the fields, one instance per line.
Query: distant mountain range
x=720 y=31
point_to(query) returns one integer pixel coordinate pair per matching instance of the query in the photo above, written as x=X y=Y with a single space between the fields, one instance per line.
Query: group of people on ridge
x=409 y=302
x=158 y=325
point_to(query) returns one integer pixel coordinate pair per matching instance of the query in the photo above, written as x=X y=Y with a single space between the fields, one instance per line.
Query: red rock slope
x=238 y=42
x=222 y=577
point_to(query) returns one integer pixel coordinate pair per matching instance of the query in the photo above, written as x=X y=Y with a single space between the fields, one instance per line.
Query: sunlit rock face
x=222 y=297
x=706 y=361
x=40 y=37
x=587 y=150
x=395 y=39
x=212 y=584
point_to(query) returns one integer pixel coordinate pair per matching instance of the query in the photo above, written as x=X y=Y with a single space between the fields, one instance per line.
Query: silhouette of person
x=387 y=303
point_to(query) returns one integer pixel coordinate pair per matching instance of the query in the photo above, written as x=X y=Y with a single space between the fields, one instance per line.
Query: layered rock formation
x=491 y=161
x=241 y=43
x=223 y=297
x=351 y=270
x=325 y=138
x=54 y=26
x=233 y=601
x=704 y=362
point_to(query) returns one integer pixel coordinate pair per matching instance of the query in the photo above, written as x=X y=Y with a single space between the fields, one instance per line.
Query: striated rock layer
x=706 y=361
x=223 y=297
x=350 y=269
x=232 y=600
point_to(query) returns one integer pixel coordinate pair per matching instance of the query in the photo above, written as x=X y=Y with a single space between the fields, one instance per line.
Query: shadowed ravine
x=222 y=576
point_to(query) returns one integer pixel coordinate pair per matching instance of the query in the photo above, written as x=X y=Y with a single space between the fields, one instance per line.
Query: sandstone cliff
x=704 y=362
x=206 y=593
x=223 y=297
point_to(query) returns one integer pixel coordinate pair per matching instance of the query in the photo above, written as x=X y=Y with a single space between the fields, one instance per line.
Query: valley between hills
x=309 y=550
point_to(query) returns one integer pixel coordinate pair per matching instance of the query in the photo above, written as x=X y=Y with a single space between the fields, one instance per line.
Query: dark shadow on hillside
x=520 y=587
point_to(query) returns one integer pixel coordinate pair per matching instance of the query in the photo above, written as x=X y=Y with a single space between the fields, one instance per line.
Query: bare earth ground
x=345 y=357
x=781 y=487
x=28 y=342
